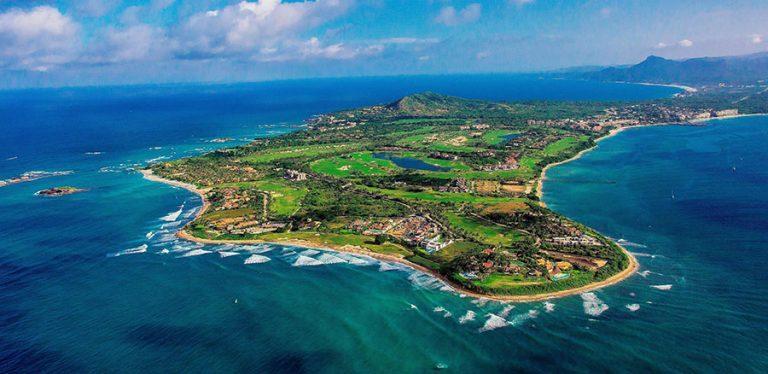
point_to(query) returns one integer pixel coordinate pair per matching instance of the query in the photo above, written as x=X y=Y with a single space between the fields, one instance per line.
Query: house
x=726 y=113
x=434 y=244
x=295 y=175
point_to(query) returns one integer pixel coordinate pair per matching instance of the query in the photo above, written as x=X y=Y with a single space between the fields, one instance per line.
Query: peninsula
x=447 y=185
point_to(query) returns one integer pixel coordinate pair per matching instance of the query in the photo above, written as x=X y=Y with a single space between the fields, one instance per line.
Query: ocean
x=96 y=281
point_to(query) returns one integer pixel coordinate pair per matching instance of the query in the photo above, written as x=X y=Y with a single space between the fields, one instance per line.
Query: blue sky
x=91 y=42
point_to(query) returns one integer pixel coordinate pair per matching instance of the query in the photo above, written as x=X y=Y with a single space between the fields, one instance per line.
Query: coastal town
x=449 y=185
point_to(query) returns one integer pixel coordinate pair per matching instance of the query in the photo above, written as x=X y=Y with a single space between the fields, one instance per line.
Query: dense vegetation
x=444 y=182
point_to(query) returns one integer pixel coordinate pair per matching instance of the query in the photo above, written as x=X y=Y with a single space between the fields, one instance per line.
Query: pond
x=507 y=138
x=409 y=162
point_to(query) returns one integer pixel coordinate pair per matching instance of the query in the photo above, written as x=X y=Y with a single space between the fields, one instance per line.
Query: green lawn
x=286 y=196
x=443 y=197
x=486 y=232
x=456 y=248
x=305 y=151
x=355 y=163
x=563 y=145
x=517 y=284
x=494 y=137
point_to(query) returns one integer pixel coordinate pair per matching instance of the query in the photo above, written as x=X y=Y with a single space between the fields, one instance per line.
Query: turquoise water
x=409 y=162
x=66 y=304
x=692 y=204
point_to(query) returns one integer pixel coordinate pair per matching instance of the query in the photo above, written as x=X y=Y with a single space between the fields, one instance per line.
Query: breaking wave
x=195 y=252
x=549 y=307
x=446 y=313
x=227 y=254
x=386 y=266
x=261 y=248
x=306 y=261
x=425 y=281
x=130 y=251
x=330 y=259
x=308 y=252
x=633 y=307
x=593 y=306
x=170 y=217
x=627 y=243
x=467 y=317
x=663 y=287
x=357 y=260
x=256 y=259
x=505 y=312
x=493 y=322
x=520 y=318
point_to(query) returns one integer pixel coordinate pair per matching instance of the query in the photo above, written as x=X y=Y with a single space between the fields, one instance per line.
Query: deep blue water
x=409 y=162
x=66 y=305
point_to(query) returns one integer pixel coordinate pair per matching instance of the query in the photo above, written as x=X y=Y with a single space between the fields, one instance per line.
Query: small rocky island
x=59 y=191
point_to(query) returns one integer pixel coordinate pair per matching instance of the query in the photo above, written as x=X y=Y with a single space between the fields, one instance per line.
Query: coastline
x=543 y=175
x=183 y=234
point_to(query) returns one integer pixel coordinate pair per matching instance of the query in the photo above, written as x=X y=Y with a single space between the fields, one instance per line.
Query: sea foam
x=505 y=312
x=130 y=251
x=172 y=216
x=308 y=252
x=306 y=261
x=195 y=252
x=633 y=307
x=467 y=317
x=493 y=322
x=256 y=259
x=593 y=306
x=549 y=307
x=663 y=287
x=330 y=259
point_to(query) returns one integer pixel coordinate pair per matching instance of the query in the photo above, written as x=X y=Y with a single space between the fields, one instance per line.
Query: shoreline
x=543 y=175
x=539 y=183
x=347 y=248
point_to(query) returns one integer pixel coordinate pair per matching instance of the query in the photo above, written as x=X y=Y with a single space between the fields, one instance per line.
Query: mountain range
x=694 y=71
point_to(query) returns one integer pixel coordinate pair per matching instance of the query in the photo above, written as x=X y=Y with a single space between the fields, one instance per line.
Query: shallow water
x=66 y=304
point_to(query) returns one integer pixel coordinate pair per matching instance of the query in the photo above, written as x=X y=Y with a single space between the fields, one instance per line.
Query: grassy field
x=495 y=137
x=483 y=231
x=563 y=145
x=517 y=284
x=456 y=248
x=355 y=163
x=291 y=152
x=286 y=196
x=435 y=196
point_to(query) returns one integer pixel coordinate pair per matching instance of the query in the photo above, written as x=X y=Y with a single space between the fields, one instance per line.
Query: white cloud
x=140 y=42
x=449 y=16
x=315 y=49
x=756 y=38
x=252 y=26
x=685 y=43
x=661 y=45
x=37 y=39
x=408 y=40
